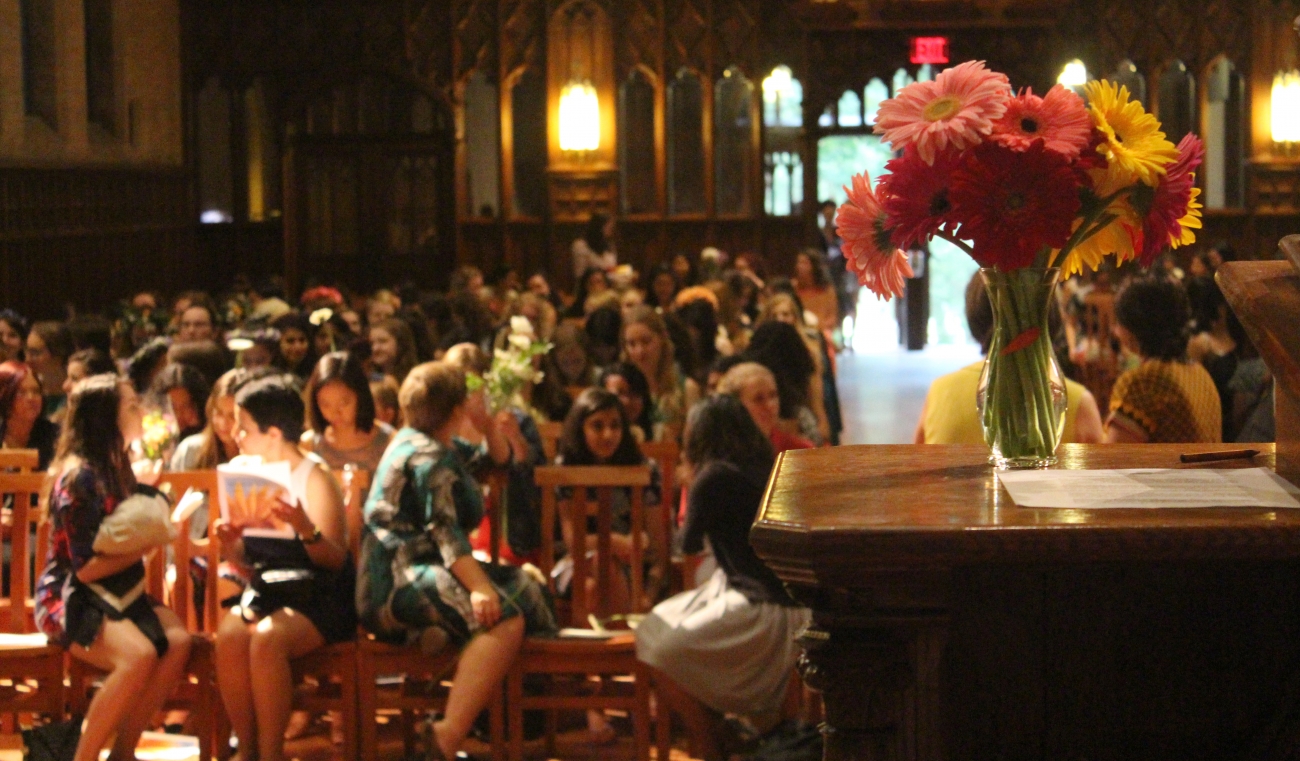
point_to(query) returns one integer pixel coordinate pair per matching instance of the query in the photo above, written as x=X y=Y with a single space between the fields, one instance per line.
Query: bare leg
x=276 y=640
x=702 y=724
x=129 y=658
x=483 y=664
x=163 y=680
x=233 y=667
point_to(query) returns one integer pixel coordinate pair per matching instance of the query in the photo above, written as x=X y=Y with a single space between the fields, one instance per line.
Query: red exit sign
x=929 y=50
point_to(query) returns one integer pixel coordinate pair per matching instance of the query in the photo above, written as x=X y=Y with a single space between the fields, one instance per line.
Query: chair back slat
x=21 y=489
x=185 y=548
x=21 y=460
x=661 y=528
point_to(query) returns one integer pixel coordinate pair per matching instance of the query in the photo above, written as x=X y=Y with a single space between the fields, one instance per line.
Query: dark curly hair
x=1157 y=312
x=779 y=347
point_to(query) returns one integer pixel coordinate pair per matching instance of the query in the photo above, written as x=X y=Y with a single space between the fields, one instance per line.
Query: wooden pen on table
x=1230 y=454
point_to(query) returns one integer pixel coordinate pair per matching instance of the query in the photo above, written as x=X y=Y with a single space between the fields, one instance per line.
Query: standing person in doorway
x=595 y=248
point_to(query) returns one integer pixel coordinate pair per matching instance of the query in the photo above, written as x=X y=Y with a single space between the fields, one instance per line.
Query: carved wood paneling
x=687 y=28
x=523 y=34
x=638 y=36
x=735 y=24
x=85 y=237
x=475 y=38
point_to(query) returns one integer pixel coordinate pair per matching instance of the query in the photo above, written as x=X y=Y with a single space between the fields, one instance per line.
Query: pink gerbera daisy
x=958 y=108
x=1173 y=210
x=1060 y=119
x=860 y=222
x=914 y=196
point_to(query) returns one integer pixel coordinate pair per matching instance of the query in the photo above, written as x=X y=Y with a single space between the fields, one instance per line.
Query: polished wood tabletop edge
x=897 y=506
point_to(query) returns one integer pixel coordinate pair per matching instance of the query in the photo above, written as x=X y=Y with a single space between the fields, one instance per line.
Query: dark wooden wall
x=84 y=238
x=314 y=64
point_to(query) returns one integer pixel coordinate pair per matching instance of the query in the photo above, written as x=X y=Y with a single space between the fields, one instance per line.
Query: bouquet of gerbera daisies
x=1027 y=185
x=512 y=367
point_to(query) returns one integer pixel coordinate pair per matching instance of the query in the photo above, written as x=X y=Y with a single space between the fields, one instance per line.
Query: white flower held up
x=512 y=367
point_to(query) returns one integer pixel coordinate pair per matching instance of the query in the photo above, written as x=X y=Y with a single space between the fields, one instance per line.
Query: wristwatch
x=315 y=537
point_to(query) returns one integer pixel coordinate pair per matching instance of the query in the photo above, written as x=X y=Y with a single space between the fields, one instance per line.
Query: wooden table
x=950 y=623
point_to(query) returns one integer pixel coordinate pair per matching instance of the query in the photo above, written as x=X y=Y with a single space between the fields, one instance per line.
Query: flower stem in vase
x=1021 y=392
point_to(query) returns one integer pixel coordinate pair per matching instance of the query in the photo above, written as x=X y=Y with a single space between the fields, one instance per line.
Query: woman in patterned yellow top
x=1167 y=398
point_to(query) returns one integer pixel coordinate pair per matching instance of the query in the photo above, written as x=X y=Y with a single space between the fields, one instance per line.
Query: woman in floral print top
x=417 y=576
x=93 y=604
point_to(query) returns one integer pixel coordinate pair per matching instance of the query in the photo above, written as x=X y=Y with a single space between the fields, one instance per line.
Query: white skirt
x=732 y=655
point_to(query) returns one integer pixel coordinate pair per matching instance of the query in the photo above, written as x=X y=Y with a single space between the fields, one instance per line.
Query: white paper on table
x=1149 y=488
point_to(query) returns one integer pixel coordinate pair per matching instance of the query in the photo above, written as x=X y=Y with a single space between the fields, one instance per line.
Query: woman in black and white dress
x=727 y=646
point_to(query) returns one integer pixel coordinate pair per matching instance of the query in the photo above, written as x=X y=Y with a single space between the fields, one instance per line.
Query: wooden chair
x=583 y=656
x=31 y=676
x=20 y=460
x=1100 y=368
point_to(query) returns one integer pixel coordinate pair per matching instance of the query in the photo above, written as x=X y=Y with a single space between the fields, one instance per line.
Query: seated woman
x=341 y=413
x=625 y=381
x=186 y=392
x=1166 y=398
x=950 y=415
x=143 y=646
x=597 y=433
x=647 y=345
x=22 y=426
x=48 y=346
x=418 y=580
x=296 y=352
x=272 y=625
x=778 y=346
x=729 y=646
x=755 y=387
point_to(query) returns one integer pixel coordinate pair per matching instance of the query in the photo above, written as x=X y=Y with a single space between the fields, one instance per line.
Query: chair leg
x=348 y=695
x=663 y=725
x=367 y=729
x=552 y=729
x=641 y=717
x=497 y=723
x=515 y=709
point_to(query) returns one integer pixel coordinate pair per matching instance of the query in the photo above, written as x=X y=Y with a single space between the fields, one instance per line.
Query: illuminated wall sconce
x=579 y=117
x=1074 y=75
x=1286 y=111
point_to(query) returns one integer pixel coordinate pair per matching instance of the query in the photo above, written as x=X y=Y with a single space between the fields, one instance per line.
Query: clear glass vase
x=1021 y=393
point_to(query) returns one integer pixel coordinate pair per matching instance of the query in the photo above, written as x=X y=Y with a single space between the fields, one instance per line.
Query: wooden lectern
x=949 y=623
x=1266 y=298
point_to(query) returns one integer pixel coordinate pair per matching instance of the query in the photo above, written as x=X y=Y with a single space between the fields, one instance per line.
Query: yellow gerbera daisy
x=1115 y=238
x=1135 y=148
x=1189 y=222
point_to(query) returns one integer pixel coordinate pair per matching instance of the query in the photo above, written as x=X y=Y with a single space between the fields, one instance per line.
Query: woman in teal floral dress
x=418 y=580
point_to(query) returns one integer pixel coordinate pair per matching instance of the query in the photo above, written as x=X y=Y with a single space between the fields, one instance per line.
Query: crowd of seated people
x=338 y=381
x=709 y=354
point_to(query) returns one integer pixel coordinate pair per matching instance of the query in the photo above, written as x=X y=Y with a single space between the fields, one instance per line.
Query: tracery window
x=783 y=143
x=40 y=88
x=1176 y=104
x=1224 y=135
x=482 y=146
x=686 y=144
x=636 y=144
x=733 y=142
x=100 y=104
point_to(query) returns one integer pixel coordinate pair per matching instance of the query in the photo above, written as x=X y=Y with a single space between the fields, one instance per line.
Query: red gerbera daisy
x=860 y=223
x=1171 y=208
x=1059 y=119
x=914 y=195
x=1013 y=204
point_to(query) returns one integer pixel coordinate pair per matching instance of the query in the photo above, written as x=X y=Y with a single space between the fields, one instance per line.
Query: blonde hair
x=664 y=375
x=741 y=375
x=430 y=395
x=769 y=306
